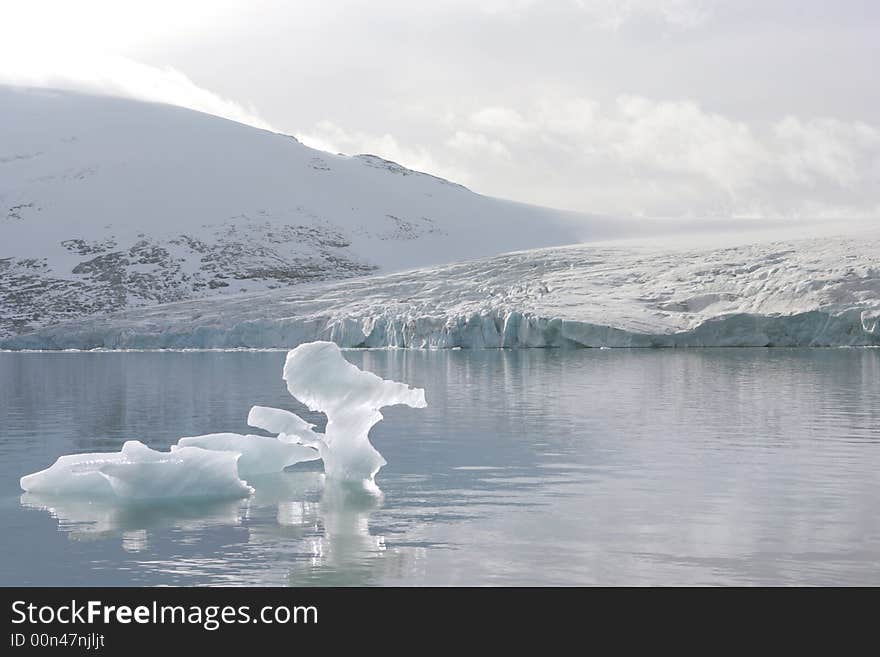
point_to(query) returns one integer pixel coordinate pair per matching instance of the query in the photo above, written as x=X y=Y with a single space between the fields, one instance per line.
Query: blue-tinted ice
x=212 y=466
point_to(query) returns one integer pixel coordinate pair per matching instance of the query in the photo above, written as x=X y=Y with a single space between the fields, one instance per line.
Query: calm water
x=734 y=466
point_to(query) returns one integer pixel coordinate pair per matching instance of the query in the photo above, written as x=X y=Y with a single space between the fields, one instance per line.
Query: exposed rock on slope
x=108 y=204
x=816 y=292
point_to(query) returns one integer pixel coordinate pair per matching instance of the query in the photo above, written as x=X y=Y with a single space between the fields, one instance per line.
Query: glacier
x=802 y=292
x=212 y=465
x=109 y=204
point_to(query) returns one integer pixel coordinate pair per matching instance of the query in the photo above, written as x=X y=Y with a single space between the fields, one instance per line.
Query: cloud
x=327 y=136
x=613 y=15
x=711 y=130
x=115 y=75
x=816 y=150
x=610 y=15
x=476 y=145
x=501 y=120
x=680 y=138
x=647 y=157
x=669 y=137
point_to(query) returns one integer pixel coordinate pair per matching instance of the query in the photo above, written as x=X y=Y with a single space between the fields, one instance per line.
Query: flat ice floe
x=140 y=473
x=212 y=465
x=809 y=292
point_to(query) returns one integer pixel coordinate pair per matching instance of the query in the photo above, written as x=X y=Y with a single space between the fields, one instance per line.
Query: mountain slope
x=816 y=292
x=108 y=204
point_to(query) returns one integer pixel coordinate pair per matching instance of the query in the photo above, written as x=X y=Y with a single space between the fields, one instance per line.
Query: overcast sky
x=654 y=108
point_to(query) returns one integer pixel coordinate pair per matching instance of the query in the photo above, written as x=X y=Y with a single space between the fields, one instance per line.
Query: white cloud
x=681 y=113
x=827 y=149
x=475 y=144
x=119 y=76
x=614 y=14
x=649 y=157
x=681 y=138
x=79 y=46
x=610 y=15
x=501 y=120
x=327 y=136
x=634 y=155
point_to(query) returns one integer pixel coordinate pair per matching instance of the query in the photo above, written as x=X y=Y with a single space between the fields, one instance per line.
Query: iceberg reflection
x=102 y=519
x=317 y=527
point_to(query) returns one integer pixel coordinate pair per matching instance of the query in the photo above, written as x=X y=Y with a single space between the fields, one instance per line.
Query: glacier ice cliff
x=211 y=466
x=808 y=292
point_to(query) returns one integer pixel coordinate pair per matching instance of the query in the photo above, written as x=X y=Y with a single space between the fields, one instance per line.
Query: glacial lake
x=533 y=467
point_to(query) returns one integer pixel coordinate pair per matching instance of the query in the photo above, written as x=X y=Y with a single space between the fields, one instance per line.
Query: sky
x=664 y=108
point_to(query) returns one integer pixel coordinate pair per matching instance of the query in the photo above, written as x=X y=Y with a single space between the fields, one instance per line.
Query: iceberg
x=290 y=427
x=140 y=473
x=258 y=454
x=212 y=465
x=317 y=375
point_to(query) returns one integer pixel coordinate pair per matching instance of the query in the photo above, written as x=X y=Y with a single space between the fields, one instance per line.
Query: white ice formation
x=211 y=466
x=290 y=427
x=140 y=473
x=318 y=376
x=258 y=454
x=808 y=292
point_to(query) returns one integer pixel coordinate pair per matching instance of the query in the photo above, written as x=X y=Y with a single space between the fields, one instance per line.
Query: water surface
x=714 y=466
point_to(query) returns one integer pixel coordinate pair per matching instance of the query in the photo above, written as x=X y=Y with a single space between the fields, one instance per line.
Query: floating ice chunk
x=140 y=473
x=290 y=427
x=185 y=472
x=259 y=454
x=73 y=474
x=317 y=375
x=211 y=466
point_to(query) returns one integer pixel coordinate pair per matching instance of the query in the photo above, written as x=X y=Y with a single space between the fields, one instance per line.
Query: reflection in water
x=324 y=524
x=325 y=520
x=734 y=466
x=84 y=520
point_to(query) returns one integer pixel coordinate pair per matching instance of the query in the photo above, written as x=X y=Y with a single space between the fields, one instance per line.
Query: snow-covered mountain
x=108 y=204
x=809 y=292
x=197 y=231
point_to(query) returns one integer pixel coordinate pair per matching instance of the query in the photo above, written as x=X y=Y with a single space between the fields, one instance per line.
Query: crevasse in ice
x=213 y=465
